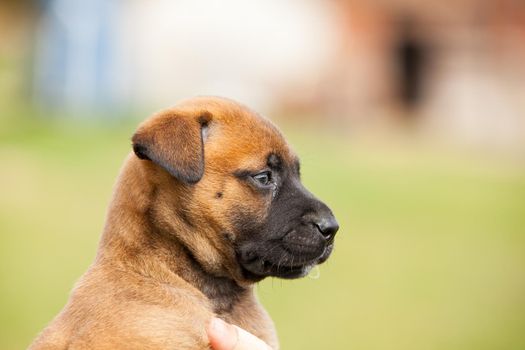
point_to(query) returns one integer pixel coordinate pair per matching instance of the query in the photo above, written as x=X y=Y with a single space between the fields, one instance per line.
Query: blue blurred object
x=75 y=54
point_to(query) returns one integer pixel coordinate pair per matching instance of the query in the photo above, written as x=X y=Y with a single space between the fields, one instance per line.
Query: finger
x=248 y=341
x=223 y=336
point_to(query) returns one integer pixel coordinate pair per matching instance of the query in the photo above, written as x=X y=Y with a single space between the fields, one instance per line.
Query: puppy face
x=238 y=183
x=297 y=231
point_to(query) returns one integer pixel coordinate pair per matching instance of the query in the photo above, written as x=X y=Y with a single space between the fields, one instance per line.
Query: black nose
x=328 y=226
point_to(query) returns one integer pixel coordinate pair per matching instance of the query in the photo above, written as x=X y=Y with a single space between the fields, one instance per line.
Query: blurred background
x=409 y=117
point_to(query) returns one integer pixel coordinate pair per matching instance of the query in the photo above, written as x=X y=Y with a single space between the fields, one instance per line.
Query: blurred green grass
x=431 y=253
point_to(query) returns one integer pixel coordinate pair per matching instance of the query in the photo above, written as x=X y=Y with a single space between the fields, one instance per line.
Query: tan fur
x=142 y=291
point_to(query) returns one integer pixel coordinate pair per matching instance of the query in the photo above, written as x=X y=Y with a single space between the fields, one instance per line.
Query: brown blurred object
x=455 y=68
x=16 y=26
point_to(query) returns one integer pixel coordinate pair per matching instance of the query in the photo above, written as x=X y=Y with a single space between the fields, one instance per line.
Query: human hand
x=224 y=336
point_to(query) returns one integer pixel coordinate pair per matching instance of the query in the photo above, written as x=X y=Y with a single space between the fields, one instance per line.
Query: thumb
x=224 y=336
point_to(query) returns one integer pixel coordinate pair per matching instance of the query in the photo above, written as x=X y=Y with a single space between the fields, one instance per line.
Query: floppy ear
x=174 y=142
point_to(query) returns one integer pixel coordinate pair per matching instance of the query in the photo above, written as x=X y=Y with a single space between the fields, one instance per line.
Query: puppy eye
x=263 y=179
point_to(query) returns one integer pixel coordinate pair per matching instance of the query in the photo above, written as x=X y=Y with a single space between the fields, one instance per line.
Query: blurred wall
x=157 y=52
x=241 y=49
x=452 y=70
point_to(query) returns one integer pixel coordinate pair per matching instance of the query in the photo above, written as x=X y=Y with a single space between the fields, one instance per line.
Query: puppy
x=209 y=203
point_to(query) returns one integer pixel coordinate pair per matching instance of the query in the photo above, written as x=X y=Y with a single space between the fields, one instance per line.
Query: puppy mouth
x=286 y=271
x=284 y=262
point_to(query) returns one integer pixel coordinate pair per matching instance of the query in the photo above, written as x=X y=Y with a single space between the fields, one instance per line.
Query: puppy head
x=232 y=180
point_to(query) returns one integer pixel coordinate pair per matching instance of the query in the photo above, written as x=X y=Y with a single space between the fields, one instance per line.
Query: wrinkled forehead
x=239 y=137
x=252 y=148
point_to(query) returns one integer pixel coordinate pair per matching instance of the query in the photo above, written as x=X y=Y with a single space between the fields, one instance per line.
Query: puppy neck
x=224 y=293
